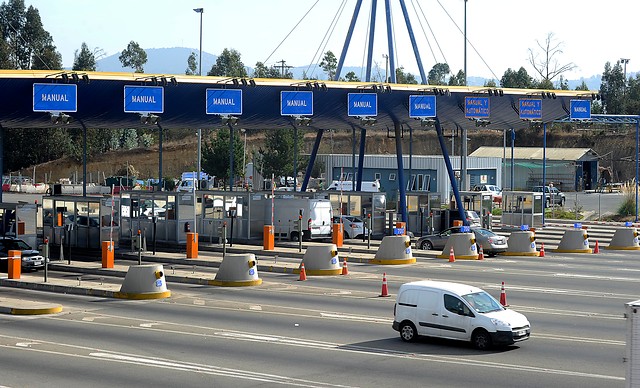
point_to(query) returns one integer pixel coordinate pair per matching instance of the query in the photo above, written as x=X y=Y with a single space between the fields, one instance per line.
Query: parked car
x=552 y=196
x=492 y=244
x=496 y=192
x=353 y=226
x=31 y=258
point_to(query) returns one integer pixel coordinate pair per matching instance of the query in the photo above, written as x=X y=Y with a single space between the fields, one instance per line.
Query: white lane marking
x=580 y=339
x=151 y=324
x=26 y=344
x=255 y=308
x=356 y=318
x=578 y=276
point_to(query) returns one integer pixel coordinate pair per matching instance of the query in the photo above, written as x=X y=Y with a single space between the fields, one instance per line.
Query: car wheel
x=426 y=245
x=408 y=332
x=562 y=202
x=295 y=236
x=481 y=339
x=346 y=235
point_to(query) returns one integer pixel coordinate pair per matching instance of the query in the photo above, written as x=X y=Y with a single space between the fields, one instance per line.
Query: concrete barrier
x=464 y=247
x=144 y=282
x=321 y=260
x=237 y=270
x=574 y=240
x=521 y=243
x=394 y=250
x=625 y=240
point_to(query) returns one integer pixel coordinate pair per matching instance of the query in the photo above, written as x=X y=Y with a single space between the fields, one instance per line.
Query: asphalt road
x=331 y=331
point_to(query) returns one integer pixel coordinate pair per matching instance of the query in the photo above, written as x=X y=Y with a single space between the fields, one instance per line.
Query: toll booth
x=81 y=222
x=423 y=212
x=20 y=220
x=360 y=204
x=521 y=208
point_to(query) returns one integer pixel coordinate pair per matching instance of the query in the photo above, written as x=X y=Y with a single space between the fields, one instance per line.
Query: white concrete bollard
x=144 y=282
x=521 y=243
x=237 y=270
x=625 y=240
x=394 y=250
x=574 y=240
x=464 y=246
x=321 y=260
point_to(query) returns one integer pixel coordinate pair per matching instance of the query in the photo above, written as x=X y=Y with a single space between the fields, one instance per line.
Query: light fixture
x=59 y=118
x=381 y=88
x=65 y=78
x=481 y=122
x=368 y=120
x=427 y=122
x=550 y=95
x=229 y=120
x=235 y=82
x=302 y=121
x=490 y=91
x=243 y=81
x=252 y=83
x=149 y=119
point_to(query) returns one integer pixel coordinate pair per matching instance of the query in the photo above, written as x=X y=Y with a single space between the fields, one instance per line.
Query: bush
x=628 y=205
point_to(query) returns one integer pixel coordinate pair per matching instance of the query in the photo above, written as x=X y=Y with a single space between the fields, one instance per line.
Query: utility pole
x=283 y=67
x=386 y=67
x=624 y=61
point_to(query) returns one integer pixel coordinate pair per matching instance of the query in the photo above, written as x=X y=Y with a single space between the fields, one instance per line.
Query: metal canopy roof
x=536 y=153
x=101 y=101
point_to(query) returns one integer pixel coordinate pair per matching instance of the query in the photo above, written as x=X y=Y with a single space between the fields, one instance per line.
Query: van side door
x=455 y=318
x=427 y=313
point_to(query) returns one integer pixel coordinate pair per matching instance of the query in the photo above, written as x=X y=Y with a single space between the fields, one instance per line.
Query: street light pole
x=200 y=11
x=624 y=61
x=465 y=42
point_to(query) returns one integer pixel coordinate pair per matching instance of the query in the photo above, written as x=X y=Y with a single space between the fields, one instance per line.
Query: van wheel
x=408 y=332
x=481 y=340
x=295 y=236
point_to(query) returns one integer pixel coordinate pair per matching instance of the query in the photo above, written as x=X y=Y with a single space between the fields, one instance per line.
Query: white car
x=353 y=226
x=496 y=192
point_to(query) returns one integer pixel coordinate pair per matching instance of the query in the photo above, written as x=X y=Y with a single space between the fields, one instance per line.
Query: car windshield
x=482 y=302
x=484 y=232
x=16 y=244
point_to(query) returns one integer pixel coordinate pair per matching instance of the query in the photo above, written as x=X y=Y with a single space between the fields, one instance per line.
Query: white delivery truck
x=633 y=344
x=316 y=218
x=367 y=186
x=456 y=311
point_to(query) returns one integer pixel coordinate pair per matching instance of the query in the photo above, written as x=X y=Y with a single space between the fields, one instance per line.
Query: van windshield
x=482 y=302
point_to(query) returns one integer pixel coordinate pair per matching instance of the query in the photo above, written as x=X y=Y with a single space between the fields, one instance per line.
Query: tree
x=438 y=74
x=405 y=78
x=277 y=156
x=563 y=84
x=458 y=79
x=612 y=89
x=351 y=77
x=490 y=83
x=192 y=64
x=215 y=154
x=228 y=64
x=133 y=56
x=516 y=79
x=84 y=60
x=632 y=95
x=329 y=64
x=262 y=71
x=546 y=62
x=583 y=86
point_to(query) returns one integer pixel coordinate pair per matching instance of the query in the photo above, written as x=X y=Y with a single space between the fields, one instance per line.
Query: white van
x=456 y=311
x=316 y=217
x=371 y=187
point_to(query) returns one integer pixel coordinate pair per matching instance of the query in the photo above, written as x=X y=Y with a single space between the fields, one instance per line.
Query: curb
x=7 y=309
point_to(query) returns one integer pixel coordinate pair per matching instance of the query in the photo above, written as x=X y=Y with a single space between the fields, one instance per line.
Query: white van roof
x=454 y=288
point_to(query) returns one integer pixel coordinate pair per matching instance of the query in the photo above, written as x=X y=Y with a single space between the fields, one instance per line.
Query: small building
x=569 y=169
x=422 y=173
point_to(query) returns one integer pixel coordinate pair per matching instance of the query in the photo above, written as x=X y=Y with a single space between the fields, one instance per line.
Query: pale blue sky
x=592 y=32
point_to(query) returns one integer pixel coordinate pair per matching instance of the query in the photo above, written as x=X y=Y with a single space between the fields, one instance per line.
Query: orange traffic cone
x=385 y=289
x=452 y=256
x=503 y=296
x=481 y=254
x=345 y=270
x=303 y=273
x=542 y=250
x=596 y=249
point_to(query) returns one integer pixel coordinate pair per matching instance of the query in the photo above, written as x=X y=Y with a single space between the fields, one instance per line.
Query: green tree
x=277 y=156
x=490 y=83
x=632 y=95
x=47 y=59
x=351 y=77
x=228 y=64
x=612 y=89
x=192 y=65
x=583 y=86
x=545 y=61
x=438 y=74
x=84 y=60
x=405 y=78
x=262 y=71
x=329 y=65
x=215 y=154
x=516 y=79
x=133 y=56
x=458 y=79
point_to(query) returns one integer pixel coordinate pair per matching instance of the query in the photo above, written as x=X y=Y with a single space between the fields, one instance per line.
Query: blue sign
x=143 y=99
x=422 y=106
x=362 y=104
x=398 y=231
x=465 y=229
x=159 y=283
x=577 y=225
x=580 y=109
x=296 y=103
x=224 y=101
x=530 y=109
x=55 y=98
x=524 y=227
x=476 y=107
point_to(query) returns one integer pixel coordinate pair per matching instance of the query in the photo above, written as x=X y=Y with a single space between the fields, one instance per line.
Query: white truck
x=633 y=344
x=367 y=186
x=316 y=217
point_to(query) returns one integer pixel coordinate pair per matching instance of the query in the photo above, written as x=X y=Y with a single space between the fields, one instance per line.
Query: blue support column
x=84 y=158
x=513 y=140
x=637 y=172
x=347 y=40
x=160 y=137
x=452 y=176
x=423 y=75
x=231 y=175
x=312 y=160
x=401 y=182
x=392 y=59
x=363 y=136
x=353 y=156
x=372 y=29
x=295 y=158
x=544 y=169
x=1 y=156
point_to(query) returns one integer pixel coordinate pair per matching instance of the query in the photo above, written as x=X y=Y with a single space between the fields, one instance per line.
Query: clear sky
x=590 y=32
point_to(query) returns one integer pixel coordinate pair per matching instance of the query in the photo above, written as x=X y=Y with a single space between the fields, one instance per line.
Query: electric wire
x=366 y=44
x=433 y=54
x=325 y=39
x=470 y=44
x=33 y=51
x=434 y=37
x=290 y=32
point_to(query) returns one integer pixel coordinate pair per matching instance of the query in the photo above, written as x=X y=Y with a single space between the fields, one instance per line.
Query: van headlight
x=500 y=323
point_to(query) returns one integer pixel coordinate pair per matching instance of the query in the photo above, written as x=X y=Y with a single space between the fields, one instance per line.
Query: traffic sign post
x=296 y=103
x=422 y=106
x=530 y=109
x=55 y=97
x=477 y=107
x=143 y=99
x=362 y=104
x=224 y=102
x=580 y=110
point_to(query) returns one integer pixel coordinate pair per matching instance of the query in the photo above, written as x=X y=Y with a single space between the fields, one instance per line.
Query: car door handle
x=445 y=316
x=434 y=314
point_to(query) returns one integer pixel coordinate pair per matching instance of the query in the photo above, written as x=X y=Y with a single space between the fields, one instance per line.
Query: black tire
x=426 y=245
x=346 y=235
x=295 y=236
x=481 y=339
x=408 y=332
x=562 y=202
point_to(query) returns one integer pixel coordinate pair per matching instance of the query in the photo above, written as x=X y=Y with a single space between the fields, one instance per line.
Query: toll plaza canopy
x=101 y=102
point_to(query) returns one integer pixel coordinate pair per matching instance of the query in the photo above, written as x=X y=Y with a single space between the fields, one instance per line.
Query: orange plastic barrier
x=107 y=254
x=402 y=225
x=337 y=235
x=268 y=241
x=192 y=245
x=15 y=264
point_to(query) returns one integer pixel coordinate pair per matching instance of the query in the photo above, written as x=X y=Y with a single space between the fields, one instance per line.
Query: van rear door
x=320 y=215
